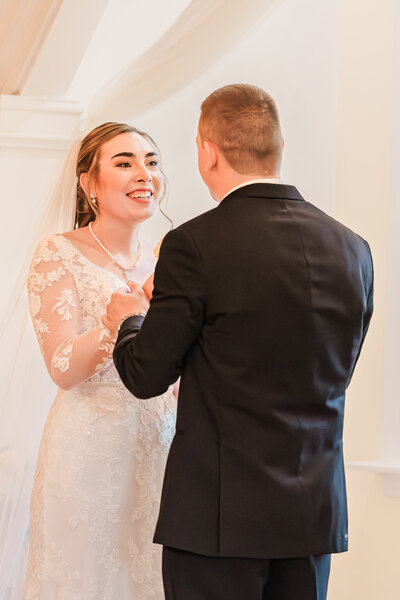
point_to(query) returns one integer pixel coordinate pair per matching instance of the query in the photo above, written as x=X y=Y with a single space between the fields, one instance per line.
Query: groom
x=261 y=306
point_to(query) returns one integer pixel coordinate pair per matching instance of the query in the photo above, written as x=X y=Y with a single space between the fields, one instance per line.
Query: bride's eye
x=153 y=163
x=126 y=165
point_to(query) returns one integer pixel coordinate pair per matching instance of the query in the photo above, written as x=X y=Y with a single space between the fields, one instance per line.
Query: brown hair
x=243 y=121
x=88 y=162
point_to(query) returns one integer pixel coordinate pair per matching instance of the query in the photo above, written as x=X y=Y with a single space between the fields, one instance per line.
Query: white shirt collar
x=250 y=181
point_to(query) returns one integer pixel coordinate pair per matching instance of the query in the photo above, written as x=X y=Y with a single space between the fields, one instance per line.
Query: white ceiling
x=70 y=48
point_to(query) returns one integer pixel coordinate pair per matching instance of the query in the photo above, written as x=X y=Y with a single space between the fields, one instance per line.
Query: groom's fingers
x=148 y=286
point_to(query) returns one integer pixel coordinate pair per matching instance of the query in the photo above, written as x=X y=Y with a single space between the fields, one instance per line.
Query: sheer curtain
x=203 y=32
x=26 y=395
x=24 y=406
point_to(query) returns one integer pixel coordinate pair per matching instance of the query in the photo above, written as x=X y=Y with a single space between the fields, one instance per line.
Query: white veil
x=26 y=395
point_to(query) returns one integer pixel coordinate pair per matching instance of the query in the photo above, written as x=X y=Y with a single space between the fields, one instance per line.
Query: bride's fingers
x=135 y=287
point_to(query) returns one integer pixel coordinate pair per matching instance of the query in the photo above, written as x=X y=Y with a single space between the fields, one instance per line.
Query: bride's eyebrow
x=131 y=155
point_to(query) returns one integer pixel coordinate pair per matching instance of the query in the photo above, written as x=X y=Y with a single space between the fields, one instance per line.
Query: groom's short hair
x=243 y=121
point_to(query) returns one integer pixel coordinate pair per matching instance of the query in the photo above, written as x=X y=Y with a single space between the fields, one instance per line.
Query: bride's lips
x=141 y=196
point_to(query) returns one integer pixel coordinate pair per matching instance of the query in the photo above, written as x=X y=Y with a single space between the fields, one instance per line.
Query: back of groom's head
x=243 y=121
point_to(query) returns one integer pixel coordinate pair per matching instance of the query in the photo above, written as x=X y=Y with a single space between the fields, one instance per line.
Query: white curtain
x=26 y=396
x=203 y=33
x=24 y=406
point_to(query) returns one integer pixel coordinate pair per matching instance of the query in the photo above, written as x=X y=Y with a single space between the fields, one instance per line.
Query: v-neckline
x=87 y=260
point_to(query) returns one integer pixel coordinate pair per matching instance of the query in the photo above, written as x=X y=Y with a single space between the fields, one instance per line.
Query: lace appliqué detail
x=62 y=359
x=64 y=304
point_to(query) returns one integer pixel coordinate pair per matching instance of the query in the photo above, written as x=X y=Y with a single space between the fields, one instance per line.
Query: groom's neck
x=229 y=181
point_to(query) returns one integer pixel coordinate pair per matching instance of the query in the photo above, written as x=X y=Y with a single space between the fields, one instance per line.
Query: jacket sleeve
x=149 y=356
x=369 y=307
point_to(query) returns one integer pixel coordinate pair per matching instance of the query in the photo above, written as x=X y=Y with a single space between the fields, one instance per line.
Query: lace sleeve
x=71 y=356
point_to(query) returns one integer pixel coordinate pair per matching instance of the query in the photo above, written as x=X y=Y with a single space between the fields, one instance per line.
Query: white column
x=363 y=190
x=35 y=134
x=391 y=416
x=368 y=193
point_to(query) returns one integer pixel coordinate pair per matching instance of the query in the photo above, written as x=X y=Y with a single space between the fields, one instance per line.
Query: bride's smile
x=141 y=196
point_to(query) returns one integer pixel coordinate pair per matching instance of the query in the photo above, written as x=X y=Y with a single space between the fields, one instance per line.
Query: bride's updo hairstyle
x=88 y=162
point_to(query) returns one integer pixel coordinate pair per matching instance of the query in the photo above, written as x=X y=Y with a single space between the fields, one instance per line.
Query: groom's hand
x=148 y=287
x=123 y=304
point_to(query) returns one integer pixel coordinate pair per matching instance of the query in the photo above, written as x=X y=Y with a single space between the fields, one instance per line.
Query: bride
x=101 y=460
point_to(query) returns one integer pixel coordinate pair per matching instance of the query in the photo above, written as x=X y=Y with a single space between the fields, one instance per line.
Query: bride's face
x=129 y=181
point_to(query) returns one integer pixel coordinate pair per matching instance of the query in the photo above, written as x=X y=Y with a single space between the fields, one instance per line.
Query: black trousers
x=190 y=576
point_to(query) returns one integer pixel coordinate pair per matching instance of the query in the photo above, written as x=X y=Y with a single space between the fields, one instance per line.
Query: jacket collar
x=276 y=191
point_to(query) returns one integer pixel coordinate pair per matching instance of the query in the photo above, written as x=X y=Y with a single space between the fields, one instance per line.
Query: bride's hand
x=148 y=287
x=123 y=304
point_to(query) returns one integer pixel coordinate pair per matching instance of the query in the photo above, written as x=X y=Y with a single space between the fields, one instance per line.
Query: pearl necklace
x=122 y=267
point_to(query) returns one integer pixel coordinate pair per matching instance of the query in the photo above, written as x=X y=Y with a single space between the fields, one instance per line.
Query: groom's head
x=239 y=137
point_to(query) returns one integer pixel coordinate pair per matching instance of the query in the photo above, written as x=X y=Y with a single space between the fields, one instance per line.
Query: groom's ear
x=210 y=155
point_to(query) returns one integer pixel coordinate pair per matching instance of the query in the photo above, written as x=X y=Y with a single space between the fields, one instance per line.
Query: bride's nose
x=142 y=174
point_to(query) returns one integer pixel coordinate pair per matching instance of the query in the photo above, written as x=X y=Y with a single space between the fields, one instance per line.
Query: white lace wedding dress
x=101 y=461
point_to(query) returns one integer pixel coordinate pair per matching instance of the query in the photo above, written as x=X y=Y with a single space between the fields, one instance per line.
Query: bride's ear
x=83 y=180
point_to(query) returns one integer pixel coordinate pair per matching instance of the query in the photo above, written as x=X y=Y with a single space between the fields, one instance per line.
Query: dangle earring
x=93 y=198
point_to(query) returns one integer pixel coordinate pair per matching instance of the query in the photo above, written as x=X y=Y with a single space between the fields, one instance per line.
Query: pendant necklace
x=124 y=268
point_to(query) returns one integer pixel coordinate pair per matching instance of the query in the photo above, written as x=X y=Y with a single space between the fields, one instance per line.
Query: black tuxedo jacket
x=261 y=305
